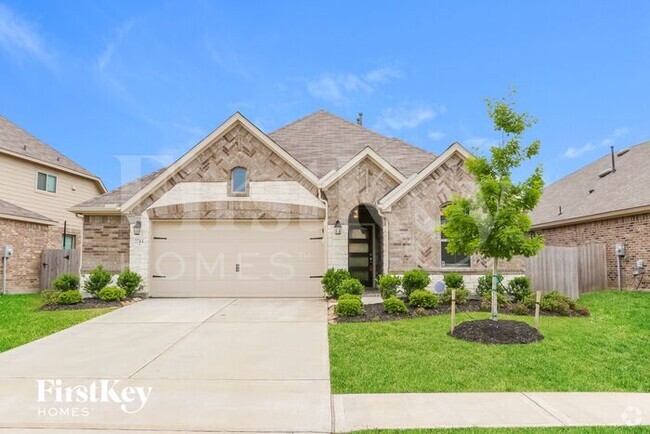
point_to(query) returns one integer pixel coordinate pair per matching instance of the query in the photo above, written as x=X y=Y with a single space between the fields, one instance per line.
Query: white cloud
x=576 y=152
x=406 y=117
x=436 y=135
x=105 y=58
x=18 y=37
x=338 y=88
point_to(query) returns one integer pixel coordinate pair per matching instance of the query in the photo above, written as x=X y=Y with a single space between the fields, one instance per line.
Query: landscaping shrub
x=50 y=297
x=414 y=280
x=111 y=293
x=351 y=286
x=349 y=305
x=486 y=302
x=462 y=296
x=332 y=280
x=70 y=297
x=98 y=278
x=556 y=303
x=520 y=309
x=519 y=288
x=484 y=285
x=581 y=310
x=394 y=305
x=423 y=298
x=453 y=280
x=388 y=284
x=66 y=282
x=130 y=282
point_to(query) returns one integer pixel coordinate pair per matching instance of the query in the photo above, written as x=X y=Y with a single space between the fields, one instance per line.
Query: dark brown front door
x=360 y=253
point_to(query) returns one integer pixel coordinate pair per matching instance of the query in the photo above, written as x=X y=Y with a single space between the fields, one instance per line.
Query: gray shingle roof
x=15 y=139
x=9 y=209
x=624 y=189
x=121 y=194
x=323 y=142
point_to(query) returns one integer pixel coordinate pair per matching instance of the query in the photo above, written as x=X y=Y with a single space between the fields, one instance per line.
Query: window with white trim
x=46 y=182
x=450 y=260
x=238 y=180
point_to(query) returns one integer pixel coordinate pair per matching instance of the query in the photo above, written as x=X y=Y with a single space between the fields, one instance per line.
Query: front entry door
x=360 y=254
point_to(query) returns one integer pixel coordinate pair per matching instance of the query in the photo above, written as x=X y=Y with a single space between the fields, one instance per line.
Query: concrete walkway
x=456 y=410
x=208 y=364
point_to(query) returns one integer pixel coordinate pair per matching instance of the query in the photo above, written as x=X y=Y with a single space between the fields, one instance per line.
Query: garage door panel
x=242 y=259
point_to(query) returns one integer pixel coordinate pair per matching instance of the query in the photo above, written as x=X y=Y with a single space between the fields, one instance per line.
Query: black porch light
x=136 y=227
x=337 y=227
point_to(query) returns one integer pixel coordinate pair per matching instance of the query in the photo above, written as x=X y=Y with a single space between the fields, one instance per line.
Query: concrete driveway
x=177 y=365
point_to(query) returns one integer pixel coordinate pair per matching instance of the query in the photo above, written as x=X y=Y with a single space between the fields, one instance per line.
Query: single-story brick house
x=37 y=185
x=245 y=213
x=606 y=202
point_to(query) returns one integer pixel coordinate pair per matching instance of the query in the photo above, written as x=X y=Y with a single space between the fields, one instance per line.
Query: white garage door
x=236 y=259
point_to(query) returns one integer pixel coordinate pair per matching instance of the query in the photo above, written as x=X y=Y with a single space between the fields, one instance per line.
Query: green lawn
x=562 y=430
x=22 y=322
x=608 y=351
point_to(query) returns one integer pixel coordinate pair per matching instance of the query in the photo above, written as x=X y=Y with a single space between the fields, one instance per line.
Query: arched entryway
x=365 y=244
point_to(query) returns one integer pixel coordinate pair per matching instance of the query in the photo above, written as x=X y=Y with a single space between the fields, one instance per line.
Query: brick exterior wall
x=28 y=241
x=106 y=242
x=633 y=231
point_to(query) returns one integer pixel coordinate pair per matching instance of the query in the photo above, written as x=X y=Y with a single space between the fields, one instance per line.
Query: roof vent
x=360 y=119
x=623 y=152
x=24 y=147
x=559 y=210
x=591 y=191
x=604 y=173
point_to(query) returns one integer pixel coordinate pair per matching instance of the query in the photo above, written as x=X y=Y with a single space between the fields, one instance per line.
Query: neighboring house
x=37 y=186
x=244 y=213
x=598 y=205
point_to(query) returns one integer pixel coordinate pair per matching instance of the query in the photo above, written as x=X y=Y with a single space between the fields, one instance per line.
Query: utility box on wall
x=7 y=251
x=619 y=249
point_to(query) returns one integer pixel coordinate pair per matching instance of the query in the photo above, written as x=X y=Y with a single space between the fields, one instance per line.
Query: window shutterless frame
x=46 y=182
x=450 y=260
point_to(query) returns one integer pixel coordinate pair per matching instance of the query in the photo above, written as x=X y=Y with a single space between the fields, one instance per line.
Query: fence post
x=453 y=310
x=538 y=299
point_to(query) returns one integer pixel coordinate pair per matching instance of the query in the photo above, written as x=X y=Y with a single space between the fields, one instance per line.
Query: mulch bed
x=92 y=303
x=486 y=331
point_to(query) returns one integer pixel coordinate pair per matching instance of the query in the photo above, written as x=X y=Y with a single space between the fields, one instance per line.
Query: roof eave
x=46 y=222
x=99 y=182
x=593 y=217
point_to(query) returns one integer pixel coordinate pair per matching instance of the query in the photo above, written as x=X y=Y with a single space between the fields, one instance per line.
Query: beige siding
x=18 y=186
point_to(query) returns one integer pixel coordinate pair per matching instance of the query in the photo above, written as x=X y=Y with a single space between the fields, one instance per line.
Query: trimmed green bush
x=414 y=280
x=130 y=282
x=98 y=279
x=520 y=309
x=70 y=297
x=349 y=305
x=50 y=297
x=557 y=303
x=111 y=293
x=388 y=285
x=332 y=279
x=484 y=285
x=351 y=286
x=462 y=296
x=394 y=305
x=453 y=280
x=486 y=302
x=519 y=288
x=423 y=298
x=66 y=282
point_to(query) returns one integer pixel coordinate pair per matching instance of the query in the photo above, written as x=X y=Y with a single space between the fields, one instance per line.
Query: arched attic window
x=450 y=260
x=238 y=181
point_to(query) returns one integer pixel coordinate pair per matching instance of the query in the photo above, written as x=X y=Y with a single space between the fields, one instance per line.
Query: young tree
x=494 y=223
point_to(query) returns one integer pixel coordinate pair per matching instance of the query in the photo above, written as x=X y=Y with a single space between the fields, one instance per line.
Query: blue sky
x=107 y=83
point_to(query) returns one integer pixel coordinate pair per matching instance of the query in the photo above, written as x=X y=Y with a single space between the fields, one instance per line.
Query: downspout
x=326 y=237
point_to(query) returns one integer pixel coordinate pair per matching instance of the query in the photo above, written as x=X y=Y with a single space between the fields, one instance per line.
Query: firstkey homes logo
x=60 y=399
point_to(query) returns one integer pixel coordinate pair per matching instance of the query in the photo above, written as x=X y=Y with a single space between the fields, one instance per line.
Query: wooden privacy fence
x=569 y=270
x=55 y=262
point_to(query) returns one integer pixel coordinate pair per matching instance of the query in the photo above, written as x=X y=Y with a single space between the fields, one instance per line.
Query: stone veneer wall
x=106 y=242
x=28 y=241
x=633 y=231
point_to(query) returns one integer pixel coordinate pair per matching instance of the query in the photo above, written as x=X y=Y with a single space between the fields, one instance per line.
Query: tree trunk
x=495 y=266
